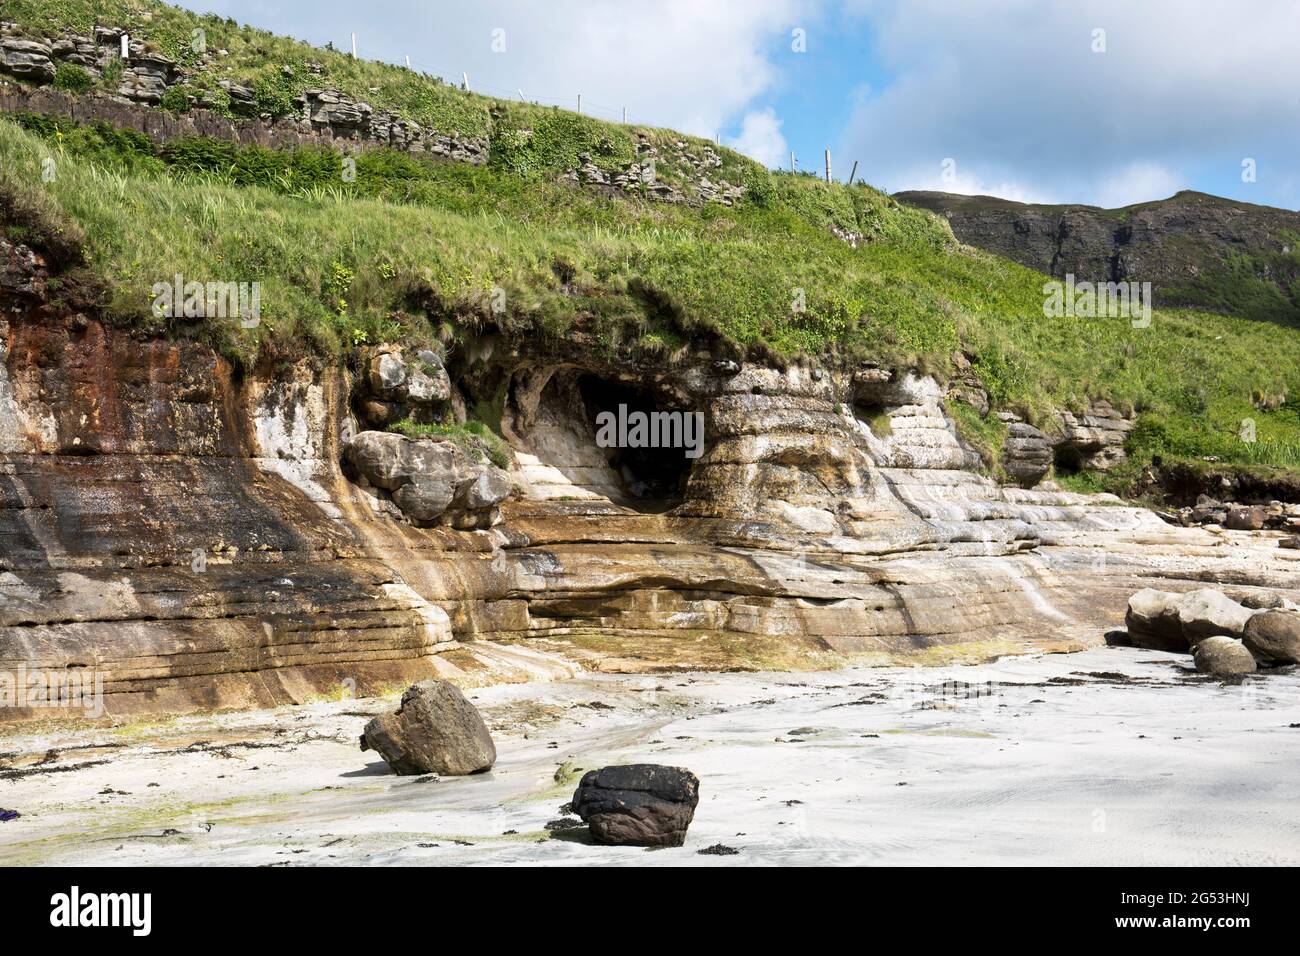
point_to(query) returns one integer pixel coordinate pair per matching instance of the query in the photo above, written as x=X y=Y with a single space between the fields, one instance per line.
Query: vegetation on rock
x=415 y=250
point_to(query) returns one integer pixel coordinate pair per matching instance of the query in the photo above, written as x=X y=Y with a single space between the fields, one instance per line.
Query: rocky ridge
x=1184 y=245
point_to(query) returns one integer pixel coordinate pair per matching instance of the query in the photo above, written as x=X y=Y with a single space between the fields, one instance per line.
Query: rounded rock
x=1274 y=637
x=1223 y=657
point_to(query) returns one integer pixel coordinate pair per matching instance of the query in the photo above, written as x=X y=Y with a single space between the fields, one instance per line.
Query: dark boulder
x=436 y=730
x=1264 y=602
x=1250 y=518
x=638 y=804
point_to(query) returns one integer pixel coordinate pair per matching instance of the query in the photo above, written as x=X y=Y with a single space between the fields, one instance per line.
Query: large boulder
x=1274 y=636
x=1249 y=518
x=427 y=381
x=485 y=490
x=1222 y=657
x=435 y=730
x=638 y=804
x=387 y=376
x=389 y=460
x=431 y=480
x=1026 y=452
x=1266 y=601
x=1153 y=621
x=1208 y=613
x=1162 y=621
x=395 y=385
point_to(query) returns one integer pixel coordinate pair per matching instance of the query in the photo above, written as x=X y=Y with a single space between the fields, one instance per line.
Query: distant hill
x=1195 y=249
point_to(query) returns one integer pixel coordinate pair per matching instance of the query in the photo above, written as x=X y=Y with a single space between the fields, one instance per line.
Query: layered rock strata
x=196 y=538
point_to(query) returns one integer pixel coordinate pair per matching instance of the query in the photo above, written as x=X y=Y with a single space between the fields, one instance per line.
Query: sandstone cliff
x=192 y=534
x=203 y=526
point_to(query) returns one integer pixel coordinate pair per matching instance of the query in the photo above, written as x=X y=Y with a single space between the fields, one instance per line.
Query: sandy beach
x=1109 y=756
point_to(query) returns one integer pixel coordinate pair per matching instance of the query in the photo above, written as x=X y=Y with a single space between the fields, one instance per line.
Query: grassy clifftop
x=277 y=69
x=433 y=252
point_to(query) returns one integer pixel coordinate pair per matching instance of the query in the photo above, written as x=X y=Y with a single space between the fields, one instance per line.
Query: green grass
x=413 y=250
x=985 y=434
x=526 y=138
x=418 y=251
x=474 y=437
x=1283 y=453
x=626 y=270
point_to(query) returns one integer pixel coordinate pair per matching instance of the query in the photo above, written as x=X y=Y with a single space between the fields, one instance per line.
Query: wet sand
x=1108 y=756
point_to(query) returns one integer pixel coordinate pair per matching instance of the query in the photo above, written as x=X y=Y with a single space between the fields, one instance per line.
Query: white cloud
x=1138 y=182
x=1013 y=91
x=760 y=138
x=684 y=64
x=956 y=180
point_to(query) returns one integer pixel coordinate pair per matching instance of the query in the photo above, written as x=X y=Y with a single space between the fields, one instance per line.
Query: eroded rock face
x=22 y=269
x=179 y=533
x=431 y=480
x=1223 y=657
x=435 y=730
x=28 y=59
x=638 y=804
x=1027 y=452
x=1096 y=437
x=833 y=515
x=146 y=77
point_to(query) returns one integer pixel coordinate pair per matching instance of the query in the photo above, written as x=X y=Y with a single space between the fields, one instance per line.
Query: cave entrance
x=873 y=413
x=1067 y=460
x=647 y=440
x=580 y=435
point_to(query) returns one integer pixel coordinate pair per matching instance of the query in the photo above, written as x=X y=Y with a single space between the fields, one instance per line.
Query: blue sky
x=1019 y=98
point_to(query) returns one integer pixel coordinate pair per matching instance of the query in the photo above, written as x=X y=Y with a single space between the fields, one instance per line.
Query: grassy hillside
x=525 y=138
x=414 y=250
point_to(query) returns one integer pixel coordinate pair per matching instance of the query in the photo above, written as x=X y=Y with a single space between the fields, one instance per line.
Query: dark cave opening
x=1067 y=460
x=649 y=440
x=874 y=414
